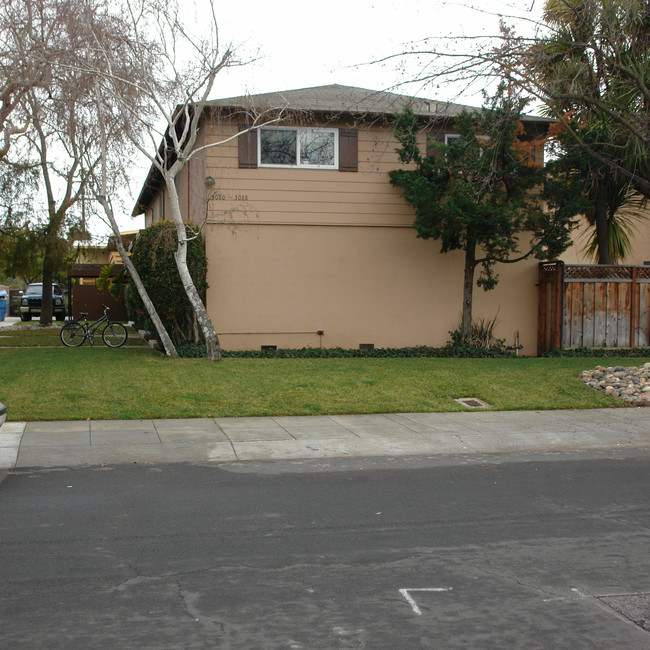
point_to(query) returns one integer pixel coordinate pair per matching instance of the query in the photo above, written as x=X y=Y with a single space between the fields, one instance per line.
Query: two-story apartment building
x=309 y=244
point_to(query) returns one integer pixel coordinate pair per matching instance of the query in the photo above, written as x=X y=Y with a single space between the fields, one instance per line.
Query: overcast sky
x=298 y=44
x=304 y=44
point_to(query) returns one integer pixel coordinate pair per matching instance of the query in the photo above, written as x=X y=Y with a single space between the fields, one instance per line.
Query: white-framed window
x=287 y=146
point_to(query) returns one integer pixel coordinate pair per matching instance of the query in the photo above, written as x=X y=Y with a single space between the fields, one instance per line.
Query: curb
x=11 y=434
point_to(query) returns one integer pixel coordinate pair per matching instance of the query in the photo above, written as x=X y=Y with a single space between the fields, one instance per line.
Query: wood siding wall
x=242 y=196
x=593 y=306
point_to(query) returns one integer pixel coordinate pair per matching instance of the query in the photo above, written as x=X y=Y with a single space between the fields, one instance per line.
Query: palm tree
x=589 y=67
x=624 y=207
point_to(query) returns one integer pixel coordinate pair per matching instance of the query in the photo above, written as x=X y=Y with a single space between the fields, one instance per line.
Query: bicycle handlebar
x=85 y=314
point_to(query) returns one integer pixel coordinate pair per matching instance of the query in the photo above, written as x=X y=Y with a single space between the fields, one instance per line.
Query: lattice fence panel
x=602 y=273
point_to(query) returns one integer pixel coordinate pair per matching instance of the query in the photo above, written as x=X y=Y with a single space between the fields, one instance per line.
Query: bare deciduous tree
x=110 y=64
x=177 y=74
x=126 y=69
x=176 y=84
x=63 y=46
x=29 y=48
x=63 y=134
x=101 y=188
x=40 y=93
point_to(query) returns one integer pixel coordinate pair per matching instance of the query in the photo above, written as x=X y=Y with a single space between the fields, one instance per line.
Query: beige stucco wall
x=294 y=251
x=279 y=285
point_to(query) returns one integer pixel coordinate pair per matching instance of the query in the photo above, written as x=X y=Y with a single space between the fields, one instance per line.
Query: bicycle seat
x=83 y=314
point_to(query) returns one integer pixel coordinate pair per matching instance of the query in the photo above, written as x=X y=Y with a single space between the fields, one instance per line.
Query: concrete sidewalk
x=70 y=444
x=9 y=321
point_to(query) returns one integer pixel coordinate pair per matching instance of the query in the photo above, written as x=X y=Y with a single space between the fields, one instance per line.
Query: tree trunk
x=212 y=346
x=48 y=277
x=468 y=289
x=170 y=349
x=602 y=224
x=48 y=266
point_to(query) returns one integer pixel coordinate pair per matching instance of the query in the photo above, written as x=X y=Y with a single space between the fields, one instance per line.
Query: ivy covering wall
x=153 y=257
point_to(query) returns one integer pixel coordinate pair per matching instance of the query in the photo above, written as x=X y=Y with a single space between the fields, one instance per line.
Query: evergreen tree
x=482 y=194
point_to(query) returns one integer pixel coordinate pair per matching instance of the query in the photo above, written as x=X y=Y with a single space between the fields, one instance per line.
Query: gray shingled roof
x=347 y=99
x=342 y=99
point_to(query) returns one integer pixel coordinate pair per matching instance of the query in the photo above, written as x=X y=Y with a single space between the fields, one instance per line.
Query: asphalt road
x=354 y=554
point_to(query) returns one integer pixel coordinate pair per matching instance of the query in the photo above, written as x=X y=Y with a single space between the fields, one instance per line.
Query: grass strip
x=102 y=383
x=30 y=337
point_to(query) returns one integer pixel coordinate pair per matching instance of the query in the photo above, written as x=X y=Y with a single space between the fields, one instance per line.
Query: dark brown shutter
x=348 y=150
x=247 y=148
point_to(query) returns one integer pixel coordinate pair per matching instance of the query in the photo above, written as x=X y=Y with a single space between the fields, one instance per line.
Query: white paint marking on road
x=411 y=601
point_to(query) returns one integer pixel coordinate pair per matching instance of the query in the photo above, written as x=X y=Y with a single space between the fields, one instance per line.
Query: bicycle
x=76 y=332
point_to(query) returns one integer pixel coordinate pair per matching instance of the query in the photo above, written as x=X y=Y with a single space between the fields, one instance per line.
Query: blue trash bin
x=3 y=308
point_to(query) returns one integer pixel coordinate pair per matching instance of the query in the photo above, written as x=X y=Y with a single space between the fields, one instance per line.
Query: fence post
x=633 y=309
x=559 y=305
x=545 y=304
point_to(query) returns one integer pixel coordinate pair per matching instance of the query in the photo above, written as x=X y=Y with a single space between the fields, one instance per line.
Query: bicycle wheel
x=72 y=334
x=114 y=335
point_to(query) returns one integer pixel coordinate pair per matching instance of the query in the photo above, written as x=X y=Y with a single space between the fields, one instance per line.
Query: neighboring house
x=309 y=244
x=102 y=255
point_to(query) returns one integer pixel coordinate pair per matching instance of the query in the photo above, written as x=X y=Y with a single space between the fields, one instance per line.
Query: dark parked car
x=30 y=303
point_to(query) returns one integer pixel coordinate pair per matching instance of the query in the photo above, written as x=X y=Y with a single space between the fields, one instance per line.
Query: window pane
x=277 y=147
x=317 y=148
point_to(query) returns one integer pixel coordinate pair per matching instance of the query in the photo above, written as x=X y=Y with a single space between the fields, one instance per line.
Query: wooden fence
x=88 y=298
x=593 y=306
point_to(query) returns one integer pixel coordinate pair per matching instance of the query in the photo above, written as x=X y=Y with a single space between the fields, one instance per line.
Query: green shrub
x=153 y=257
x=448 y=351
x=481 y=335
x=191 y=350
x=580 y=352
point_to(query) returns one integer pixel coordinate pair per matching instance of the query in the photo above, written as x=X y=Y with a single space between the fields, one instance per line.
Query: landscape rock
x=629 y=384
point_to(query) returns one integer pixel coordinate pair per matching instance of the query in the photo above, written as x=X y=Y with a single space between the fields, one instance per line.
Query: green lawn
x=100 y=383
x=29 y=335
